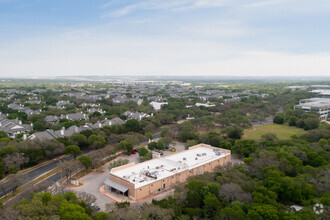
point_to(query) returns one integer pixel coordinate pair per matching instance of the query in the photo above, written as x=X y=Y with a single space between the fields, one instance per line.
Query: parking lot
x=93 y=181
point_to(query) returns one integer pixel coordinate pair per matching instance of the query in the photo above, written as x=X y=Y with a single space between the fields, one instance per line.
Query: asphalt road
x=29 y=176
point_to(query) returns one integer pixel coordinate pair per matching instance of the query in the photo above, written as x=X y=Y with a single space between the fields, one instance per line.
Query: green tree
x=51 y=101
x=133 y=125
x=143 y=151
x=231 y=213
x=160 y=145
x=69 y=211
x=72 y=150
x=292 y=121
x=39 y=126
x=245 y=147
x=269 y=137
x=86 y=161
x=149 y=135
x=101 y=216
x=190 y=143
x=79 y=139
x=278 y=118
x=311 y=123
x=3 y=134
x=97 y=141
x=152 y=146
x=8 y=150
x=323 y=142
x=126 y=145
x=234 y=132
x=263 y=212
x=211 y=204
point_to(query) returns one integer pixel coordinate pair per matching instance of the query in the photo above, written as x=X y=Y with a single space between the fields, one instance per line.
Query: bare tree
x=15 y=180
x=68 y=168
x=14 y=161
x=231 y=192
x=4 y=187
x=57 y=188
x=9 y=213
x=150 y=211
x=88 y=198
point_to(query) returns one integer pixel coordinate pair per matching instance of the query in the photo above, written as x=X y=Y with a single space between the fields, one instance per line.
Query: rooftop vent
x=184 y=158
x=196 y=158
x=203 y=154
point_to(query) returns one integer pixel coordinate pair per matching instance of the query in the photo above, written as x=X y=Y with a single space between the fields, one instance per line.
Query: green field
x=283 y=132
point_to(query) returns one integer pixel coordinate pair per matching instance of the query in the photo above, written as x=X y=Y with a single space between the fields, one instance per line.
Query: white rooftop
x=153 y=170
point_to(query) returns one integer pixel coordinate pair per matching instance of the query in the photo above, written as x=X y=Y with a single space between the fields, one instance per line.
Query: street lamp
x=19 y=163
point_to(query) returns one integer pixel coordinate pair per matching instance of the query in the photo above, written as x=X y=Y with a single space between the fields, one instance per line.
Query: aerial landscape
x=177 y=109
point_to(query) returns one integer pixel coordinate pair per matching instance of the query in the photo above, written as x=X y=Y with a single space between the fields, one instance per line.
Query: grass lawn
x=283 y=132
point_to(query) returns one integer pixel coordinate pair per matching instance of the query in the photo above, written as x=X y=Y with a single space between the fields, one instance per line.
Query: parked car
x=134 y=151
x=161 y=153
x=94 y=206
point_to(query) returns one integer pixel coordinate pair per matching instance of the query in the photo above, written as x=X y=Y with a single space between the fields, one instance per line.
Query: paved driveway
x=93 y=181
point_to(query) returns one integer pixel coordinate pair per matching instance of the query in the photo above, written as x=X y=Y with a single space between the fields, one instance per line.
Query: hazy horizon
x=241 y=38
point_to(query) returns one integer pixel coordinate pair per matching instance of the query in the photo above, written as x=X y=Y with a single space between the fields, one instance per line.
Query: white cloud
x=84 y=54
x=262 y=3
x=172 y=5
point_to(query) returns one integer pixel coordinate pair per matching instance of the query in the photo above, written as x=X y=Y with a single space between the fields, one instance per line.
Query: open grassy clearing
x=283 y=132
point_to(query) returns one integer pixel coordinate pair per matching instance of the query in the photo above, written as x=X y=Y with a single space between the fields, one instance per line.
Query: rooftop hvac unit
x=184 y=158
x=218 y=153
x=196 y=158
x=162 y=165
x=204 y=154
x=198 y=155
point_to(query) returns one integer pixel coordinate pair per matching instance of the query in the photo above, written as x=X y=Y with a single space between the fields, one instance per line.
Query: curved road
x=33 y=174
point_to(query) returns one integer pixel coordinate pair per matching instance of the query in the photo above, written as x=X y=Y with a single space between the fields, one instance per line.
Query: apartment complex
x=319 y=105
x=138 y=181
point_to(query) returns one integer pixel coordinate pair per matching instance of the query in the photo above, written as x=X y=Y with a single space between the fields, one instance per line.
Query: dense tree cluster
x=274 y=176
x=298 y=118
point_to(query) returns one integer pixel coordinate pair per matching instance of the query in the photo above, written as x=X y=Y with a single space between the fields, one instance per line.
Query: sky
x=46 y=38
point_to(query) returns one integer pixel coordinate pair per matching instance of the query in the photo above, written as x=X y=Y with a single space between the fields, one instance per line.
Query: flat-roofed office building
x=140 y=180
x=319 y=105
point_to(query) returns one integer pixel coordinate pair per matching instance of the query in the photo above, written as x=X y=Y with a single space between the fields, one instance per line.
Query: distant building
x=293 y=88
x=13 y=126
x=205 y=104
x=138 y=181
x=135 y=115
x=158 y=105
x=319 y=105
x=323 y=93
